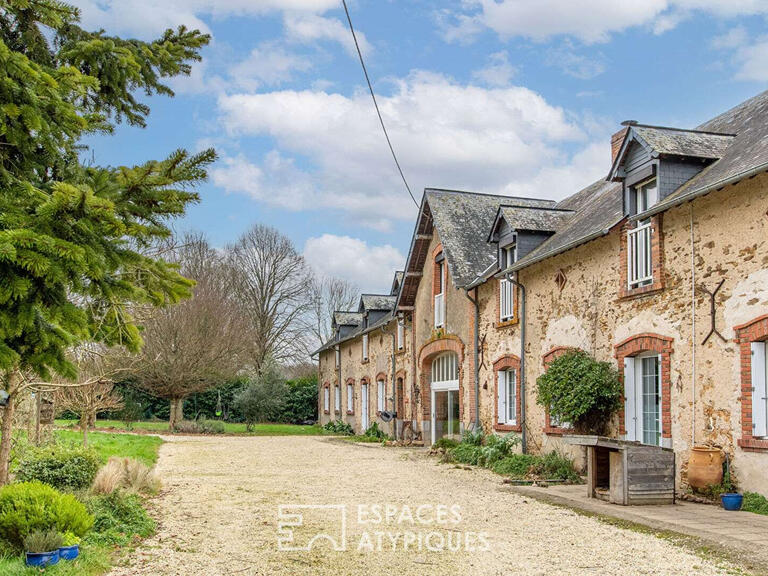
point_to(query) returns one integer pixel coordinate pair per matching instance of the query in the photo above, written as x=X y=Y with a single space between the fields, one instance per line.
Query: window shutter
x=759 y=392
x=501 y=391
x=512 y=396
x=630 y=413
x=400 y=334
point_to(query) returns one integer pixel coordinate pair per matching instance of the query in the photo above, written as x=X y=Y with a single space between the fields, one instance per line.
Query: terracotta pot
x=705 y=467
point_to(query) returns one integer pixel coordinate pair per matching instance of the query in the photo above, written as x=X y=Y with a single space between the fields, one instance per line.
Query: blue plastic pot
x=69 y=552
x=42 y=558
x=732 y=501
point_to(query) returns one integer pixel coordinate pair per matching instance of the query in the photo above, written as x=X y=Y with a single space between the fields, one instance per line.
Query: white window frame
x=506 y=393
x=365 y=347
x=381 y=392
x=350 y=397
x=338 y=357
x=440 y=296
x=639 y=256
x=759 y=368
x=646 y=194
x=400 y=335
x=326 y=399
x=337 y=398
x=506 y=300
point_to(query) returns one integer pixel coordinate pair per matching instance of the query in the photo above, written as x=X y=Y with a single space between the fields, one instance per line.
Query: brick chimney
x=616 y=141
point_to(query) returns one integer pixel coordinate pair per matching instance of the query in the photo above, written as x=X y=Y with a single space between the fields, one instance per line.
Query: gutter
x=475 y=301
x=511 y=279
x=578 y=242
x=662 y=206
x=392 y=380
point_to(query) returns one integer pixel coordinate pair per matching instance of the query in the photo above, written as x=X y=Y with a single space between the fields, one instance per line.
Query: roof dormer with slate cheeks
x=668 y=157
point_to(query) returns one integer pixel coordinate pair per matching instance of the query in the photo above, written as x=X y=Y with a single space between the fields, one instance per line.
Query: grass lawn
x=229 y=428
x=142 y=448
x=93 y=560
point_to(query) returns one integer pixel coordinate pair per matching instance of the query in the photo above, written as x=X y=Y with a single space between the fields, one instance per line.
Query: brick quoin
x=661 y=345
x=753 y=331
x=505 y=363
x=657 y=259
x=546 y=359
x=427 y=353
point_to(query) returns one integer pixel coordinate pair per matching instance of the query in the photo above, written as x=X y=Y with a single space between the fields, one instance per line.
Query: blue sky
x=503 y=96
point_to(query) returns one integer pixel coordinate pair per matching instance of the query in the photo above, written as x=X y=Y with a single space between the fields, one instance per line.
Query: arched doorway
x=444 y=399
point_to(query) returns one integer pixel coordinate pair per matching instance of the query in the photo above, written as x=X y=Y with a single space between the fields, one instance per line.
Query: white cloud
x=307 y=28
x=370 y=267
x=330 y=152
x=752 y=61
x=268 y=64
x=588 y=20
x=567 y=59
x=498 y=72
x=734 y=38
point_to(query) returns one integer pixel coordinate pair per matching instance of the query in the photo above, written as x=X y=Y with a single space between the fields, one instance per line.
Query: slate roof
x=377 y=302
x=397 y=282
x=347 y=318
x=676 y=142
x=598 y=208
x=746 y=155
x=462 y=220
x=538 y=219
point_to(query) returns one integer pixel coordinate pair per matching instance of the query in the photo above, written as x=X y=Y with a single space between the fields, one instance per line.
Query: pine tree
x=73 y=238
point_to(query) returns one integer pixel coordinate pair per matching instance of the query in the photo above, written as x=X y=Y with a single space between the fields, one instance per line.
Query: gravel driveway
x=218 y=515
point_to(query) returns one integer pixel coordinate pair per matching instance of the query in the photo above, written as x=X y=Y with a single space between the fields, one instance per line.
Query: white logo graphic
x=293 y=517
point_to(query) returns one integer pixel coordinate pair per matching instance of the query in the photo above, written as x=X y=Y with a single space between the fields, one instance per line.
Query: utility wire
x=376 y=104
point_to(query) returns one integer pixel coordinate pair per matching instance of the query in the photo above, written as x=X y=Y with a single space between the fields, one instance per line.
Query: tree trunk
x=172 y=417
x=7 y=428
x=180 y=409
x=92 y=419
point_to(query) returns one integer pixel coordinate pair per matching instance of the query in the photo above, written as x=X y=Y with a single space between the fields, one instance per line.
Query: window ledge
x=754 y=444
x=365 y=361
x=350 y=413
x=400 y=352
x=326 y=411
x=507 y=428
x=631 y=294
x=507 y=323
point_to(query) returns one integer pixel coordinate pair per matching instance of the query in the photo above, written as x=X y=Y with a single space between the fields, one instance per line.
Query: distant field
x=229 y=427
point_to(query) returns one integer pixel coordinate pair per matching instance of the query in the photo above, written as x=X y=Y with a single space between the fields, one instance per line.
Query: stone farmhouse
x=660 y=268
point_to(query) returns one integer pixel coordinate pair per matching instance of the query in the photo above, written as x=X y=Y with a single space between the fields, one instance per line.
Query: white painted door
x=642 y=398
x=364 y=407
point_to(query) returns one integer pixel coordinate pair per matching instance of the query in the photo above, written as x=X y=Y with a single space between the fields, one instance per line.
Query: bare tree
x=273 y=284
x=329 y=295
x=87 y=400
x=199 y=343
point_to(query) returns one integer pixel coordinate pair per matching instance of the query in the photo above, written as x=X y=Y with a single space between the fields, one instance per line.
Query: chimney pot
x=616 y=141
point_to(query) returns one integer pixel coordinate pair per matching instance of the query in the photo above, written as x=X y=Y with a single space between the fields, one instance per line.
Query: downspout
x=693 y=335
x=392 y=380
x=333 y=410
x=511 y=279
x=476 y=352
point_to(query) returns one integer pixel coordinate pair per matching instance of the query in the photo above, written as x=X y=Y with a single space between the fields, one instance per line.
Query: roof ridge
x=551 y=209
x=675 y=129
x=486 y=194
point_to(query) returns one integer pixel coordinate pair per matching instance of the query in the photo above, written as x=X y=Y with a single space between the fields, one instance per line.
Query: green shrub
x=578 y=389
x=446 y=443
x=480 y=450
x=376 y=433
x=338 y=427
x=201 y=426
x=551 y=466
x=66 y=467
x=515 y=465
x=264 y=398
x=29 y=506
x=301 y=401
x=119 y=517
x=41 y=541
x=754 y=502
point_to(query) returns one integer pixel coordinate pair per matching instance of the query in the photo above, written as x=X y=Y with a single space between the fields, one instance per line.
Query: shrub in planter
x=42 y=547
x=578 y=389
x=66 y=467
x=33 y=506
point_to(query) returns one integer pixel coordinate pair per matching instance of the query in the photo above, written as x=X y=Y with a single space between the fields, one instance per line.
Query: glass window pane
x=651 y=401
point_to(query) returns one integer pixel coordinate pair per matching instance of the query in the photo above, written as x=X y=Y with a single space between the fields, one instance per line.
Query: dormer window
x=439 y=290
x=508 y=256
x=645 y=195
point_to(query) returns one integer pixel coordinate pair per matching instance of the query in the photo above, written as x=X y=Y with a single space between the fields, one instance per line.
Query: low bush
x=445 y=443
x=201 y=426
x=66 y=467
x=479 y=450
x=32 y=506
x=338 y=427
x=125 y=474
x=41 y=541
x=754 y=502
x=375 y=432
x=119 y=518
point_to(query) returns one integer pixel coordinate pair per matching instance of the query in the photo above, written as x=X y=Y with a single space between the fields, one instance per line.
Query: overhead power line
x=376 y=104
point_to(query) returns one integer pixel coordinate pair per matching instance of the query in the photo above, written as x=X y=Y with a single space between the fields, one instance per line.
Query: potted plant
x=42 y=547
x=70 y=547
x=731 y=499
